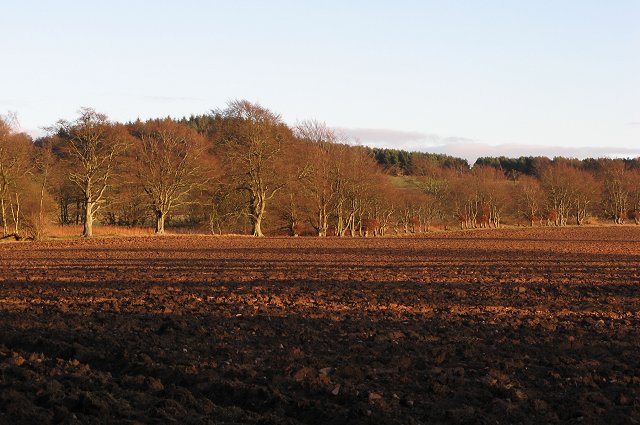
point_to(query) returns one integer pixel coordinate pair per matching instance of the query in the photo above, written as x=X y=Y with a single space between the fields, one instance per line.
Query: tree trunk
x=88 y=219
x=258 y=206
x=293 y=228
x=78 y=210
x=340 y=227
x=323 y=222
x=257 y=227
x=64 y=211
x=39 y=226
x=319 y=229
x=16 y=218
x=4 y=217
x=160 y=216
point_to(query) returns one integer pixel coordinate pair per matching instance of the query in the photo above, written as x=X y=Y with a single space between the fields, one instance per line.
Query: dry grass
x=72 y=231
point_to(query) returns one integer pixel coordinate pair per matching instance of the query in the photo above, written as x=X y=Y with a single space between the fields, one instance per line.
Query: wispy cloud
x=166 y=99
x=12 y=103
x=471 y=150
x=399 y=139
x=634 y=123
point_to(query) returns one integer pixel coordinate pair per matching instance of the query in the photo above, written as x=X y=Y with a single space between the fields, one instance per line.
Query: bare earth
x=509 y=326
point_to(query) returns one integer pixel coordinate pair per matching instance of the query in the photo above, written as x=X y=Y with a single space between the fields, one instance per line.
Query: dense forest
x=241 y=169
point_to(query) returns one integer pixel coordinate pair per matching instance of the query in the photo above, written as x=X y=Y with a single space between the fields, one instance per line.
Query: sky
x=467 y=78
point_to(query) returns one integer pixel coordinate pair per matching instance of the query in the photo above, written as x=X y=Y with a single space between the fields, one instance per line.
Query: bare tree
x=15 y=164
x=383 y=208
x=169 y=165
x=44 y=163
x=634 y=192
x=410 y=210
x=586 y=192
x=341 y=183
x=529 y=199
x=464 y=203
x=434 y=187
x=616 y=192
x=557 y=184
x=253 y=140
x=92 y=144
x=319 y=173
x=356 y=186
x=494 y=191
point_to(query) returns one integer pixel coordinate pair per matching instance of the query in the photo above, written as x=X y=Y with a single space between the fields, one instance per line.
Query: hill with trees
x=242 y=169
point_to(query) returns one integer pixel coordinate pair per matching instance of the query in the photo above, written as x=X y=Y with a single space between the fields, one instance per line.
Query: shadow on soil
x=226 y=361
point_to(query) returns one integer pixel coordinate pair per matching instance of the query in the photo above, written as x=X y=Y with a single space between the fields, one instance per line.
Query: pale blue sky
x=464 y=77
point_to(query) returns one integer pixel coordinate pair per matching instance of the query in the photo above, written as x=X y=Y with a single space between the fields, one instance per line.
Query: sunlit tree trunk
x=40 y=225
x=4 y=216
x=256 y=215
x=323 y=221
x=15 y=215
x=160 y=219
x=88 y=218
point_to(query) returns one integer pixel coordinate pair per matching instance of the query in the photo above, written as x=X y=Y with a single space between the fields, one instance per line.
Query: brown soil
x=510 y=326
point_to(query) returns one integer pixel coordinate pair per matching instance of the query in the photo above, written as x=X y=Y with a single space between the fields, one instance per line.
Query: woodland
x=241 y=169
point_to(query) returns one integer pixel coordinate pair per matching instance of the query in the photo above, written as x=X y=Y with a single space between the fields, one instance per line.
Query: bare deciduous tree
x=615 y=200
x=556 y=182
x=254 y=139
x=44 y=162
x=634 y=192
x=15 y=164
x=169 y=165
x=92 y=145
x=319 y=173
x=586 y=192
x=530 y=199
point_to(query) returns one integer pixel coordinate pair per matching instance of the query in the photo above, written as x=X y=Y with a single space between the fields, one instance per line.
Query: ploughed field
x=507 y=326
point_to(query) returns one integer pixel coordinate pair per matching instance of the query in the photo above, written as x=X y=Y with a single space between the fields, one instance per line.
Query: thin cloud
x=172 y=99
x=634 y=123
x=12 y=103
x=471 y=150
x=399 y=139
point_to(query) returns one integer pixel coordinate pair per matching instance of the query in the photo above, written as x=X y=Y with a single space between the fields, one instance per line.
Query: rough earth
x=508 y=326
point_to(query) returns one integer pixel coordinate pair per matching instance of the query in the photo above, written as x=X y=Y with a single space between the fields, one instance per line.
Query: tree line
x=241 y=169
